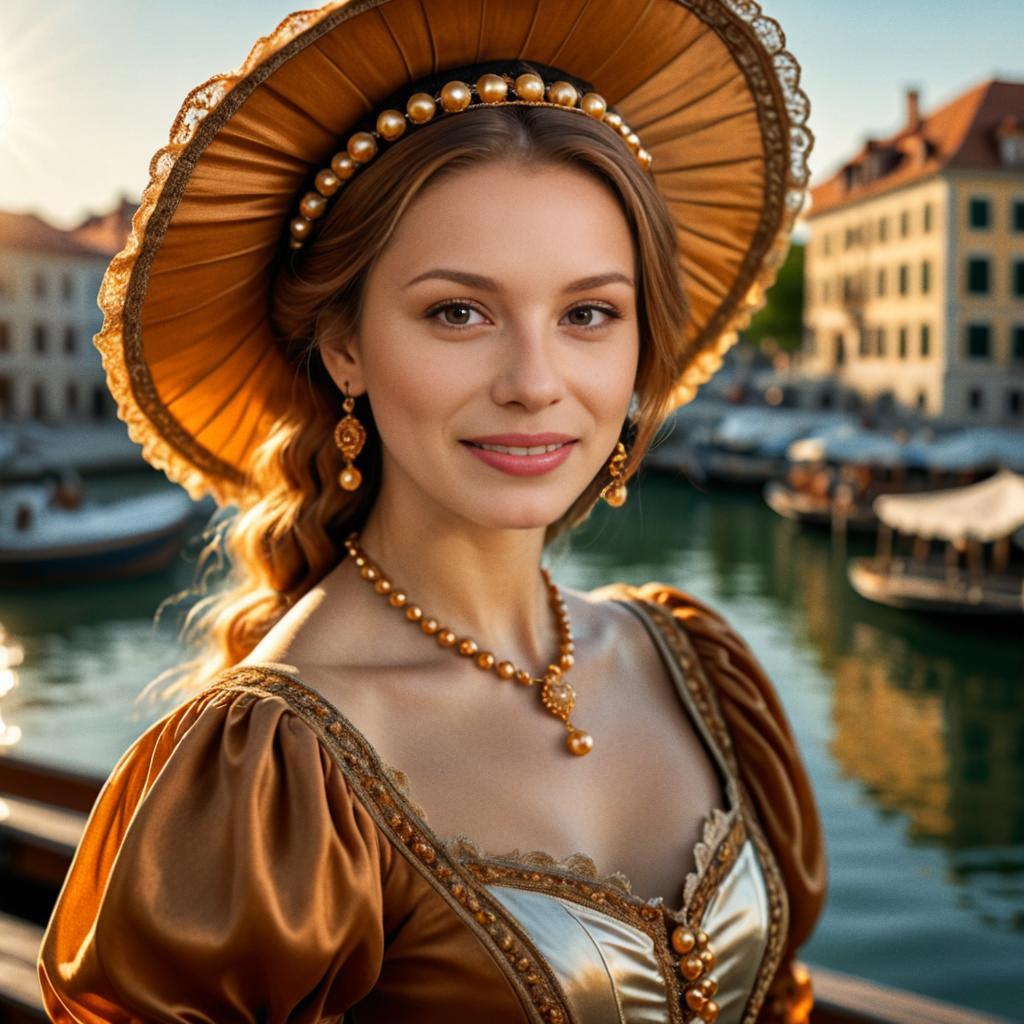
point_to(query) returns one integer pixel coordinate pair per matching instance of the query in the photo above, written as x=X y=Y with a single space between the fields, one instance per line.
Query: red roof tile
x=962 y=134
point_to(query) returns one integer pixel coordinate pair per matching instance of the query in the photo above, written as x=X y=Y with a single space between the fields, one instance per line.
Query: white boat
x=962 y=520
x=50 y=535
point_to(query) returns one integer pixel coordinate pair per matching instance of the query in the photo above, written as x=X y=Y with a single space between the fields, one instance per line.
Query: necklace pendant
x=558 y=697
x=579 y=742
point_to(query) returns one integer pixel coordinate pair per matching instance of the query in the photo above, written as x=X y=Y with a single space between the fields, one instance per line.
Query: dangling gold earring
x=349 y=436
x=615 y=491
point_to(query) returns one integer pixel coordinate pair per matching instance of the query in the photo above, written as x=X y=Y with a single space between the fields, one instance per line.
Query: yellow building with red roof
x=914 y=268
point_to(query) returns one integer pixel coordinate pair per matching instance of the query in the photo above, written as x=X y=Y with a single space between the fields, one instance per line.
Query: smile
x=522 y=459
x=509 y=450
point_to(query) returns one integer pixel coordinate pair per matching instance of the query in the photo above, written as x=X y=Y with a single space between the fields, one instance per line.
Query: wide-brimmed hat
x=706 y=88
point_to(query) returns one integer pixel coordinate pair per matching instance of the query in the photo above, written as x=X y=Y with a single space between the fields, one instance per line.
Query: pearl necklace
x=556 y=695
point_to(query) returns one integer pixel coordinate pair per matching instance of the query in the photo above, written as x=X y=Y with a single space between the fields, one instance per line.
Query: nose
x=532 y=371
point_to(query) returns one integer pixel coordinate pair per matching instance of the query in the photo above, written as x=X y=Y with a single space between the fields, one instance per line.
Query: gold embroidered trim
x=757 y=44
x=500 y=933
x=675 y=633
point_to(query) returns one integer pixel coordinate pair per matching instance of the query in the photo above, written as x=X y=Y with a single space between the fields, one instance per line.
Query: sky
x=88 y=88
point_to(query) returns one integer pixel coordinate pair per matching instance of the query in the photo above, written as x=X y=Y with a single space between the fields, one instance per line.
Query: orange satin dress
x=251 y=858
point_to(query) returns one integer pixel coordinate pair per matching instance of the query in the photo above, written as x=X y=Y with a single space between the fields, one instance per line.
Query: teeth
x=540 y=449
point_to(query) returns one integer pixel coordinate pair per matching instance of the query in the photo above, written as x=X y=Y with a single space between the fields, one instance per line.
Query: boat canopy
x=770 y=430
x=846 y=443
x=985 y=511
x=977 y=448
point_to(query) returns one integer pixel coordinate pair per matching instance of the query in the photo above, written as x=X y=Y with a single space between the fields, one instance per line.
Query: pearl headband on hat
x=454 y=97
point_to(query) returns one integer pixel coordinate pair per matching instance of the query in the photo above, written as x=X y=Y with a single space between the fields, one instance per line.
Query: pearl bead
x=645 y=159
x=567 y=661
x=414 y=613
x=397 y=599
x=343 y=166
x=594 y=105
x=708 y=986
x=467 y=648
x=429 y=626
x=446 y=638
x=707 y=958
x=455 y=96
x=523 y=678
x=633 y=141
x=624 y=129
x=390 y=124
x=691 y=968
x=563 y=93
x=421 y=107
x=485 y=660
x=530 y=87
x=491 y=88
x=683 y=939
x=368 y=572
x=709 y=1011
x=506 y=670
x=382 y=586
x=613 y=119
x=702 y=940
x=350 y=478
x=294 y=243
x=695 y=999
x=362 y=147
x=616 y=496
x=301 y=228
x=327 y=183
x=580 y=742
x=313 y=205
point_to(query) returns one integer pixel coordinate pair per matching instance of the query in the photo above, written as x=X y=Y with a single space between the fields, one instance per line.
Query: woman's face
x=502 y=312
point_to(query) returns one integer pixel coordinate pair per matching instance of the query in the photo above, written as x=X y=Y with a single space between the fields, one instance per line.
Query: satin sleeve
x=226 y=874
x=773 y=774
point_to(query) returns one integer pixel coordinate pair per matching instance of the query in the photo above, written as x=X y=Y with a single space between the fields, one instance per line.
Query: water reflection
x=11 y=656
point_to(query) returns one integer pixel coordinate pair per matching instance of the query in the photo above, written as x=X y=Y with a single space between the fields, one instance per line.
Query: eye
x=588 y=325
x=461 y=312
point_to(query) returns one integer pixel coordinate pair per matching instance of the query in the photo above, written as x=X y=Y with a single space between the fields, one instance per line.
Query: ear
x=342 y=359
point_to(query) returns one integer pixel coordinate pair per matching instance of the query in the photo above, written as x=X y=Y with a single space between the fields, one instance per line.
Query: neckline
x=717 y=824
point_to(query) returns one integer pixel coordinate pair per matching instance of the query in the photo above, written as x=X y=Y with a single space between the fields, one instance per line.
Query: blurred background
x=848 y=490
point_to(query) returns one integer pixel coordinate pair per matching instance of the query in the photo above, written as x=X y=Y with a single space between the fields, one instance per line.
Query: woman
x=414 y=305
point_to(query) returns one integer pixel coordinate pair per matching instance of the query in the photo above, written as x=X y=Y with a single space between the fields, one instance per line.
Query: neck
x=480 y=583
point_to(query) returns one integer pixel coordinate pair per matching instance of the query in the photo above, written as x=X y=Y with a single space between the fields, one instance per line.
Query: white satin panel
x=736 y=921
x=607 y=969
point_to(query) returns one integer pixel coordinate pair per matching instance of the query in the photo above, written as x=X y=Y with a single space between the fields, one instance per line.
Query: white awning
x=987 y=510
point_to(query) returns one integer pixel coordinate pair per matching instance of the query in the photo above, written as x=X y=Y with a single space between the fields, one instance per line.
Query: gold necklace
x=557 y=696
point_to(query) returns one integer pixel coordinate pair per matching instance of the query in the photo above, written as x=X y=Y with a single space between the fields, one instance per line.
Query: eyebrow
x=472 y=280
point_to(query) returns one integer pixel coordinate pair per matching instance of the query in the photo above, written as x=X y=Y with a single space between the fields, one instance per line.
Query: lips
x=522 y=454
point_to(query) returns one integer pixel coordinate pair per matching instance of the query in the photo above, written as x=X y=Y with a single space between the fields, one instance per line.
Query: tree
x=782 y=317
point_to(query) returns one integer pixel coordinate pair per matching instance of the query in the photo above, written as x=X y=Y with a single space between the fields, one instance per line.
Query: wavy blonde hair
x=290 y=537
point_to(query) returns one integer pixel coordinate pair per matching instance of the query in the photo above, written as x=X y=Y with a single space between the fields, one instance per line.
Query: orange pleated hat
x=187 y=343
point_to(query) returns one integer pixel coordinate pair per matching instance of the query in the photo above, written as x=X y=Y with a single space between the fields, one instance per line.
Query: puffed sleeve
x=772 y=772
x=226 y=874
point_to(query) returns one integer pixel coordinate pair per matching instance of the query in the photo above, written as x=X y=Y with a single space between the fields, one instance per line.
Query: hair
x=291 y=536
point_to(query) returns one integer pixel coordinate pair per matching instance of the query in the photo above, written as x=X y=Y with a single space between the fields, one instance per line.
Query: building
x=914 y=270
x=50 y=370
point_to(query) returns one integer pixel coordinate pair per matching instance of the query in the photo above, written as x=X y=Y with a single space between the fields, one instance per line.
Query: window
x=840 y=349
x=883 y=229
x=1017 y=215
x=975 y=399
x=38 y=401
x=979 y=214
x=926 y=339
x=880 y=341
x=926 y=277
x=826 y=291
x=39 y=338
x=99 y=403
x=880 y=283
x=1014 y=402
x=978 y=274
x=67 y=287
x=863 y=342
x=922 y=400
x=904 y=224
x=1017 y=343
x=39 y=286
x=1017 y=279
x=904 y=279
x=5 y=336
x=852 y=238
x=70 y=340
x=979 y=341
x=72 y=397
x=903 y=343
x=6 y=396
x=926 y=217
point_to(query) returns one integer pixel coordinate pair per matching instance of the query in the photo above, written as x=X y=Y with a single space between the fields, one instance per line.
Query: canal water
x=912 y=729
